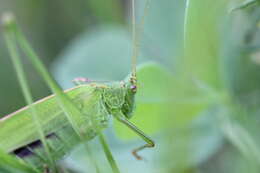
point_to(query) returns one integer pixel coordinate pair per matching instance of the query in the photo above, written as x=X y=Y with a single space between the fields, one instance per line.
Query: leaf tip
x=7 y=19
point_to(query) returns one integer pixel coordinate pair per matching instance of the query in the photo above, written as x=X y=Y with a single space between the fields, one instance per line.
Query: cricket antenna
x=136 y=38
x=135 y=44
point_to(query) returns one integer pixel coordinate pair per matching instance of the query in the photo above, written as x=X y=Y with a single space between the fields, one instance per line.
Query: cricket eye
x=133 y=88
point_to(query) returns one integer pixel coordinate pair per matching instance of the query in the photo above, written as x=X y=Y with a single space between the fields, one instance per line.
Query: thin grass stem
x=11 y=46
x=108 y=153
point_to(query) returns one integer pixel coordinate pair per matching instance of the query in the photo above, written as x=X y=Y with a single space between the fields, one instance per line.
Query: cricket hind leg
x=149 y=142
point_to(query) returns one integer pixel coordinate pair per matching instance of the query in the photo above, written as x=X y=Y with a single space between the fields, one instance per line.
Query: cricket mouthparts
x=133 y=88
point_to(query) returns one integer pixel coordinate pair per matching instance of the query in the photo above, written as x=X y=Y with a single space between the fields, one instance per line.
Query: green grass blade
x=11 y=45
x=10 y=164
x=245 y=4
x=72 y=113
x=242 y=140
x=108 y=153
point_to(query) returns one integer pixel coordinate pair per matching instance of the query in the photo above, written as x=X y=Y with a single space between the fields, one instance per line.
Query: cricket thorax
x=119 y=97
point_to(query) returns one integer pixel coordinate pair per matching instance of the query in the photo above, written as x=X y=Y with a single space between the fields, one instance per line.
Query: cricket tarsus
x=149 y=142
x=135 y=151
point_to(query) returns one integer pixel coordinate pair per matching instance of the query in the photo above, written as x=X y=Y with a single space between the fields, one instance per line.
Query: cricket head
x=130 y=86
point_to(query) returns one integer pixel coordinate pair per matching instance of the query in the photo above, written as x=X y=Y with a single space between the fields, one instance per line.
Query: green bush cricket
x=97 y=101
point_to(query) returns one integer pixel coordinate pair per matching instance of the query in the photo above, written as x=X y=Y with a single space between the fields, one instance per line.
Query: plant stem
x=92 y=160
x=108 y=153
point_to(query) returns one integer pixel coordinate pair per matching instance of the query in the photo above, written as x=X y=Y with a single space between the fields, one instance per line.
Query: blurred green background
x=198 y=74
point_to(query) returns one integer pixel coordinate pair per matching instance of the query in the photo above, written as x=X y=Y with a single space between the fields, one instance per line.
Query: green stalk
x=92 y=158
x=11 y=46
x=108 y=153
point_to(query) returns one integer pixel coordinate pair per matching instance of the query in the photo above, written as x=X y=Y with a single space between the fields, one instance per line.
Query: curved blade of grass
x=10 y=41
x=72 y=113
x=245 y=4
x=241 y=139
x=11 y=164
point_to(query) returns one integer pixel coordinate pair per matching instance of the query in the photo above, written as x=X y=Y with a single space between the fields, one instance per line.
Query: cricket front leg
x=149 y=142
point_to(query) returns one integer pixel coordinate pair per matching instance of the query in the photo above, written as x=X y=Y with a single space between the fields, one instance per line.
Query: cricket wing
x=95 y=117
x=18 y=128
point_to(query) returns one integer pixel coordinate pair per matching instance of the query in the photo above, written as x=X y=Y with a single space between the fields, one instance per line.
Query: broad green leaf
x=163 y=102
x=189 y=100
x=161 y=38
x=192 y=144
x=241 y=58
x=202 y=40
x=152 y=100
